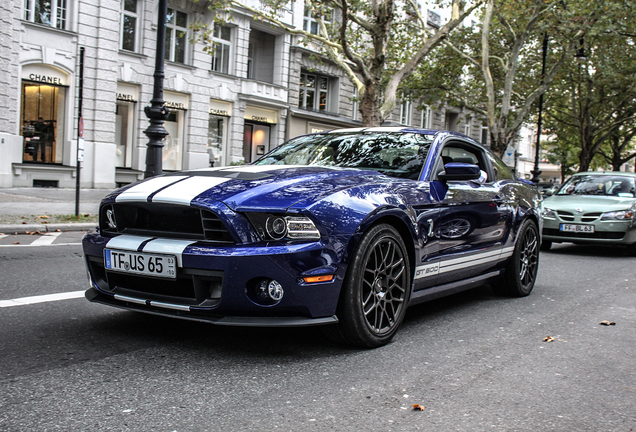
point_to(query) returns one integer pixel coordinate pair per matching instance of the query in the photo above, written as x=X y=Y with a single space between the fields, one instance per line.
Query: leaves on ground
x=607 y=323
x=548 y=339
x=418 y=407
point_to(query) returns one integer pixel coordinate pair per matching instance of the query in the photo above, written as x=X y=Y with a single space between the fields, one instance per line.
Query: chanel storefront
x=42 y=114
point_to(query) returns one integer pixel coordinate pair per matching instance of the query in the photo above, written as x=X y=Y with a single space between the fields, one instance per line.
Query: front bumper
x=216 y=283
x=605 y=232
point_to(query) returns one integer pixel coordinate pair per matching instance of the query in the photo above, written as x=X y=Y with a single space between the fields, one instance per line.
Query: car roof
x=612 y=173
x=385 y=129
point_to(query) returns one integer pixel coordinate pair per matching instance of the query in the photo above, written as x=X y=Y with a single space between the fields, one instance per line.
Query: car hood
x=248 y=188
x=589 y=203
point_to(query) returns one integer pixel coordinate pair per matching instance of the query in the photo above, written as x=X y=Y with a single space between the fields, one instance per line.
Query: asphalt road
x=475 y=361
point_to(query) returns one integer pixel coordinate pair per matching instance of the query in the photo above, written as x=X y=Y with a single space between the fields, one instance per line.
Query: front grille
x=191 y=287
x=607 y=235
x=565 y=216
x=590 y=217
x=163 y=220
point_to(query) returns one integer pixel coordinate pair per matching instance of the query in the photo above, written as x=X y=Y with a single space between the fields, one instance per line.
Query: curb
x=22 y=229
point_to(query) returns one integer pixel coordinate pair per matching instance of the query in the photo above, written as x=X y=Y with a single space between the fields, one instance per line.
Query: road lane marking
x=45 y=239
x=41 y=299
x=54 y=244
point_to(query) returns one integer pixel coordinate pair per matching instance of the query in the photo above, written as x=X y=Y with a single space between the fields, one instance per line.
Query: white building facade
x=259 y=88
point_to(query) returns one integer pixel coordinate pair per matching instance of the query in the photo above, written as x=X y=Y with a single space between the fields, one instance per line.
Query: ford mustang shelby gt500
x=344 y=229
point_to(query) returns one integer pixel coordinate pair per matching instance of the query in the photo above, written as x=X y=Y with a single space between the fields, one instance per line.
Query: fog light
x=275 y=290
x=265 y=292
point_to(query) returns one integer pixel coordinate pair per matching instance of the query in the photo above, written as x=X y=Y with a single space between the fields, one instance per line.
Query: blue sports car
x=344 y=229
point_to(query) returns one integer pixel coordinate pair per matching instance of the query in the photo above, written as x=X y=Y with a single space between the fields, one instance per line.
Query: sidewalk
x=46 y=209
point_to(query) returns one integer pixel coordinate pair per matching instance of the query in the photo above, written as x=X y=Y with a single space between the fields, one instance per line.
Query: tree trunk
x=370 y=107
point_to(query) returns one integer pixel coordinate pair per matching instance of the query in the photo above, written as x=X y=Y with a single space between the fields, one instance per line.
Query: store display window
x=42 y=117
x=216 y=130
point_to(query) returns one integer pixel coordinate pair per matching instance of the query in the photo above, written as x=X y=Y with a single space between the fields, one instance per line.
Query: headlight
x=549 y=213
x=282 y=227
x=618 y=215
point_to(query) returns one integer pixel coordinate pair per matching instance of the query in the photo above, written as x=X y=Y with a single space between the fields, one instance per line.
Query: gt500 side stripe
x=448 y=265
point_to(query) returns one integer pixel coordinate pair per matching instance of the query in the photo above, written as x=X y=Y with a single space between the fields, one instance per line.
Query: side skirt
x=428 y=294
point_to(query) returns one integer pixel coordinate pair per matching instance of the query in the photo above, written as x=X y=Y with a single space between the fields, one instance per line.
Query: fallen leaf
x=16 y=242
x=418 y=407
x=42 y=217
x=24 y=223
x=607 y=323
x=548 y=339
x=58 y=230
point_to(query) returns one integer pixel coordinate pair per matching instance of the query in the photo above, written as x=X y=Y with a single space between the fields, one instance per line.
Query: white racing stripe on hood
x=126 y=242
x=142 y=191
x=185 y=191
x=168 y=246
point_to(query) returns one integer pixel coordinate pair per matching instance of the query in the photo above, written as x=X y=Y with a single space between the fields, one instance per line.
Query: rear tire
x=521 y=271
x=376 y=290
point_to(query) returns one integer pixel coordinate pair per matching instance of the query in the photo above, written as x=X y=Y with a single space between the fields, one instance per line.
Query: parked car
x=343 y=229
x=592 y=208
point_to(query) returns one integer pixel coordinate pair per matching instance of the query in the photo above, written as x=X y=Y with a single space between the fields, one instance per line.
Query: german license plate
x=140 y=263
x=577 y=228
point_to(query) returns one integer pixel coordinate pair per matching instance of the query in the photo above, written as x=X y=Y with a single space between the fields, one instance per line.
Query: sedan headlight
x=618 y=215
x=549 y=213
x=283 y=227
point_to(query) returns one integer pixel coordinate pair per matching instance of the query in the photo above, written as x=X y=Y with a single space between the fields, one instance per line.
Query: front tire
x=521 y=271
x=376 y=290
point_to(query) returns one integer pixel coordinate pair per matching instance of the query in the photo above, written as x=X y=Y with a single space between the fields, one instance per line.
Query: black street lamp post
x=157 y=112
x=536 y=171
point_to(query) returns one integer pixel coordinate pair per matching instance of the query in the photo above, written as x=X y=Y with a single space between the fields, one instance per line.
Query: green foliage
x=594 y=99
x=500 y=76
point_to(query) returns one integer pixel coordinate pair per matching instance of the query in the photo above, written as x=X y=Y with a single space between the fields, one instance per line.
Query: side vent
x=213 y=228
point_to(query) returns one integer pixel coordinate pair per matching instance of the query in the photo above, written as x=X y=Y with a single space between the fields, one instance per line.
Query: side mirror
x=459 y=171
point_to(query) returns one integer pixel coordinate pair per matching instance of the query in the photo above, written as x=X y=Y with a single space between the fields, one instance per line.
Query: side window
x=502 y=172
x=463 y=153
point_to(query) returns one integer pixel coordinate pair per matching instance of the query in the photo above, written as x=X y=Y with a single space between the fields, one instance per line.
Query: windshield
x=604 y=185
x=394 y=154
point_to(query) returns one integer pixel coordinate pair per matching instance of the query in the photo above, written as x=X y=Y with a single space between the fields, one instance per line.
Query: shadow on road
x=588 y=250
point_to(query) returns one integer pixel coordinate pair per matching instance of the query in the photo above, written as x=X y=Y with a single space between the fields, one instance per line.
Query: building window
x=426 y=117
x=42 y=122
x=314 y=92
x=467 y=126
x=221 y=55
x=356 y=105
x=406 y=112
x=48 y=12
x=250 y=60
x=176 y=36
x=484 y=135
x=128 y=25
x=310 y=25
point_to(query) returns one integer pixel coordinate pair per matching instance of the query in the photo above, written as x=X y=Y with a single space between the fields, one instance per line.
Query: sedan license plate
x=577 y=228
x=140 y=263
